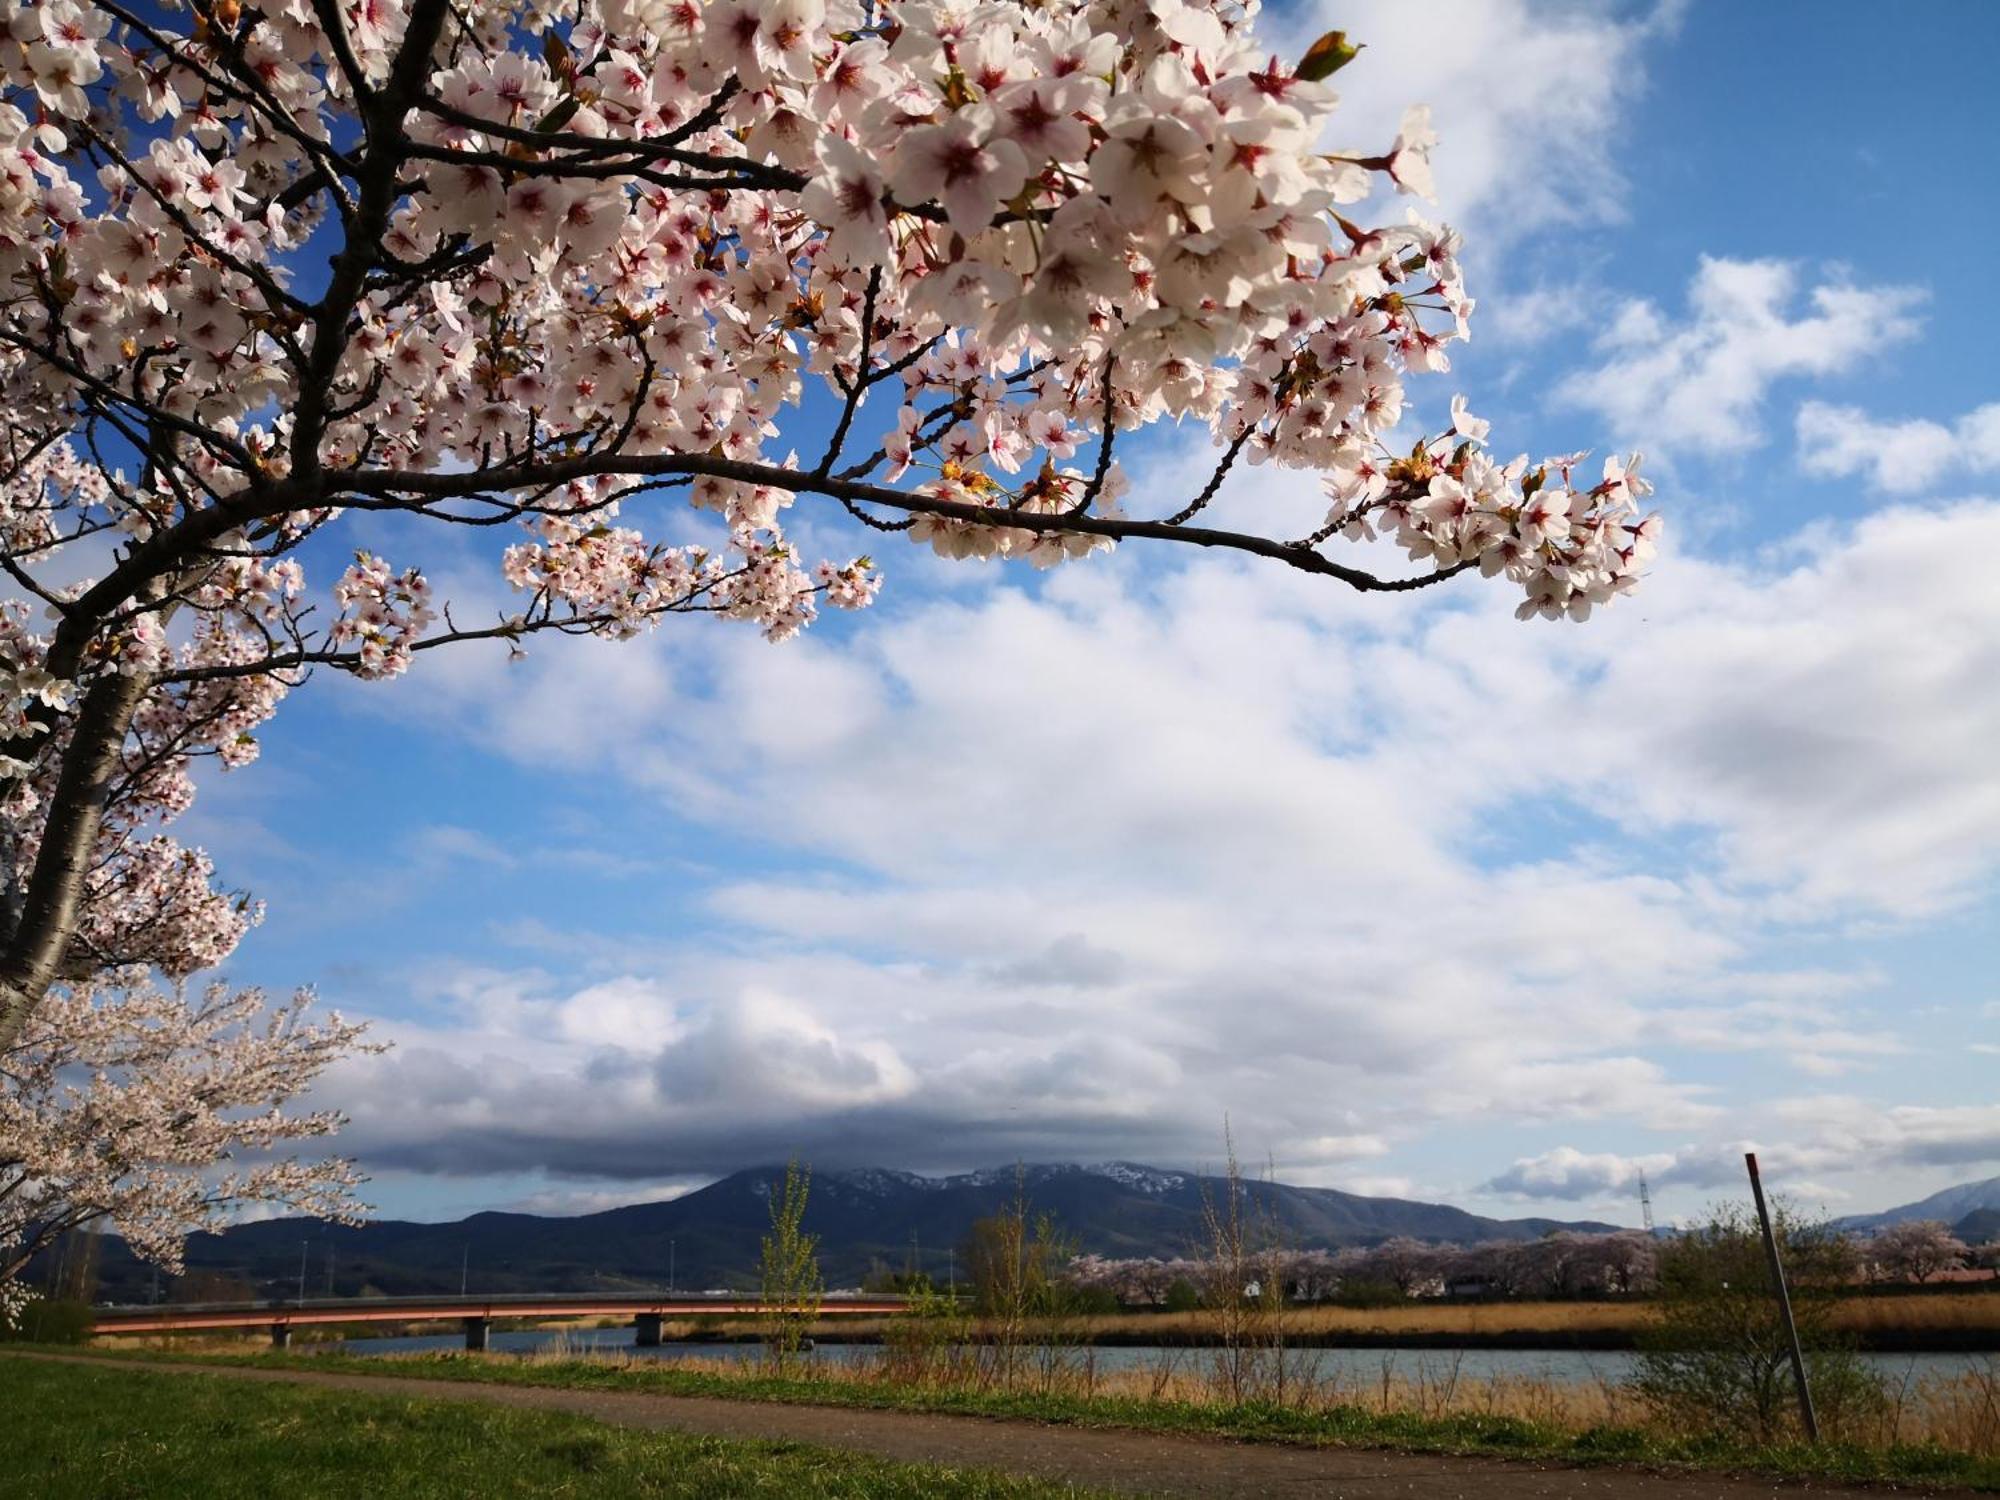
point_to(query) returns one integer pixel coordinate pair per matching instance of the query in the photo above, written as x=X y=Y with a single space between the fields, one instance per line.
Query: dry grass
x=1950 y=1312
x=1178 y=1376
x=1957 y=1313
x=1941 y=1311
x=1449 y=1319
x=1477 y=1320
x=1959 y=1412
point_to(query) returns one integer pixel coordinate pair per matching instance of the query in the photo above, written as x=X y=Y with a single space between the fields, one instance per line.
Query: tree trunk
x=32 y=956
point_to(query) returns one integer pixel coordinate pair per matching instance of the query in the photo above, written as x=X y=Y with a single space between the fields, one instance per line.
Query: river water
x=1340 y=1367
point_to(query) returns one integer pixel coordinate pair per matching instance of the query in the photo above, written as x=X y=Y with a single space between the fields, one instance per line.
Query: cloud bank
x=1087 y=869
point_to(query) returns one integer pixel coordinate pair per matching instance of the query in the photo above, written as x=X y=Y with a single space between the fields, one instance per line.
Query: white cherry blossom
x=565 y=281
x=158 y=1114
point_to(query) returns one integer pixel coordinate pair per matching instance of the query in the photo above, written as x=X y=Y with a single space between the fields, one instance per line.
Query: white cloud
x=1699 y=382
x=441 y=844
x=565 y=1201
x=1900 y=456
x=1809 y=1135
x=1528 y=98
x=1390 y=1186
x=1840 y=1133
x=1338 y=1148
x=1098 y=866
x=1577 y=1176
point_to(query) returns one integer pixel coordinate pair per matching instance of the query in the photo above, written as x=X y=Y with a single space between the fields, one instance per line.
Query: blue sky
x=1424 y=900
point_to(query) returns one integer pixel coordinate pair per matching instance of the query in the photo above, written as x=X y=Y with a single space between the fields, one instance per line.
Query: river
x=1344 y=1366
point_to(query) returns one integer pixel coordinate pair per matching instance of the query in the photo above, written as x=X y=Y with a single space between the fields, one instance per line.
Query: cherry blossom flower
x=962 y=164
x=848 y=199
x=1410 y=156
x=931 y=270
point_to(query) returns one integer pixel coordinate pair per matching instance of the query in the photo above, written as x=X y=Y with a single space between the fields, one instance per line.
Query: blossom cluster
x=1050 y=221
x=160 y=1114
x=383 y=615
x=1564 y=1263
x=1572 y=547
x=147 y=901
x=485 y=263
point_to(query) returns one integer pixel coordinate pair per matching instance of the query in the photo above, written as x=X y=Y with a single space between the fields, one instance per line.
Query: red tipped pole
x=1784 y=1301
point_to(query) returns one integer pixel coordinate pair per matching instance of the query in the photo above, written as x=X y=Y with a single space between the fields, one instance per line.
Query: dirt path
x=1129 y=1462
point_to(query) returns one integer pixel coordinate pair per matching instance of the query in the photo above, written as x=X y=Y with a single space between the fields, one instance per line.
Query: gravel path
x=1128 y=1462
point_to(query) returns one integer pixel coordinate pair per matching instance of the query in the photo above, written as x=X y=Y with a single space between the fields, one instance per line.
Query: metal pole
x=304 y=1246
x=1784 y=1301
x=671 y=1268
x=464 y=1267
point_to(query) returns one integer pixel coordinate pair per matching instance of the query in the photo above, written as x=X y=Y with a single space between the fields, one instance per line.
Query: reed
x=1958 y=1412
x=1951 y=1313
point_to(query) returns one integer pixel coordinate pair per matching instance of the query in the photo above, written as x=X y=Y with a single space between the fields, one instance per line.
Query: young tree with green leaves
x=791 y=1284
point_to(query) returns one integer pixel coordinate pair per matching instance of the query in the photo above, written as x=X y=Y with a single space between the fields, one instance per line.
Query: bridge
x=477 y=1314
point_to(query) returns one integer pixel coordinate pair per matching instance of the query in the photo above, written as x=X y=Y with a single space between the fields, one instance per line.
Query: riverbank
x=1935 y=1433
x=1932 y=1322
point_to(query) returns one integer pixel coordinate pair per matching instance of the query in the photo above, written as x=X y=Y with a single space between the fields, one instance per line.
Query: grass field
x=1948 y=1435
x=124 y=1435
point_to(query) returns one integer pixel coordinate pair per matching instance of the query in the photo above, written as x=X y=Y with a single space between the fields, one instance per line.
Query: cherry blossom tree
x=577 y=273
x=1563 y=1264
x=1915 y=1250
x=138 y=1109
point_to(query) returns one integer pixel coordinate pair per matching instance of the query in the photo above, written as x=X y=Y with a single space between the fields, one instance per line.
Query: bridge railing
x=473 y=1299
x=476 y=1314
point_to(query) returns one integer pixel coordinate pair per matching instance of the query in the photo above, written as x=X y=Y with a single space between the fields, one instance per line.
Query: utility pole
x=464 y=1267
x=672 y=1270
x=1806 y=1414
x=304 y=1246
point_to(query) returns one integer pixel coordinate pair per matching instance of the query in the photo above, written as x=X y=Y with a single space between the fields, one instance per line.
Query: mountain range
x=869 y=1219
x=1971 y=1208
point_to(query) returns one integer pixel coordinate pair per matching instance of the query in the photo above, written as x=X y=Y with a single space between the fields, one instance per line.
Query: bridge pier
x=281 y=1336
x=646 y=1330
x=477 y=1331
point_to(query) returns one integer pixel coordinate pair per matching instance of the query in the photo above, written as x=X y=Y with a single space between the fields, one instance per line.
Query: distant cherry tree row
x=1564 y=1264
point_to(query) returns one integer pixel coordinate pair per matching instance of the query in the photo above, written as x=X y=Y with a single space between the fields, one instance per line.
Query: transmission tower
x=1645 y=1204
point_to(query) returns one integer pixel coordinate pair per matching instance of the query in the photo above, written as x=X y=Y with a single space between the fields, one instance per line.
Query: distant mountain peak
x=1947 y=1204
x=868 y=1219
x=1141 y=1178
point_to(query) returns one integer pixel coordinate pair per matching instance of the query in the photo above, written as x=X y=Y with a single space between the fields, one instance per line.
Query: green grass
x=1340 y=1426
x=123 y=1434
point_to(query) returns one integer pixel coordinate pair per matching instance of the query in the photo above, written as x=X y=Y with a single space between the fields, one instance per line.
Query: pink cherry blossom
x=558 y=283
x=156 y=1114
x=963 y=164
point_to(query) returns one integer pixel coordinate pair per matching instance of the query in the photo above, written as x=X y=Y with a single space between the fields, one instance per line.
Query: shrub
x=51 y=1321
x=1717 y=1360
